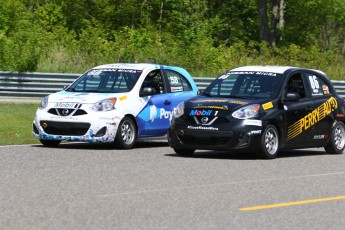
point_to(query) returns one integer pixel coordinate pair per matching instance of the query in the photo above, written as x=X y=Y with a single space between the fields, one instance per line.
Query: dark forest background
x=206 y=37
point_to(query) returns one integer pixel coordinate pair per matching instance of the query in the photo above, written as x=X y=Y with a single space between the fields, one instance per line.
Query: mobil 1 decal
x=203 y=112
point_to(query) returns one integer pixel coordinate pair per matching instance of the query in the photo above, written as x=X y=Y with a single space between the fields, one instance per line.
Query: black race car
x=262 y=109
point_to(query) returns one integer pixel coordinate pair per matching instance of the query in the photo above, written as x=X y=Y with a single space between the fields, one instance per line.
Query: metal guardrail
x=38 y=85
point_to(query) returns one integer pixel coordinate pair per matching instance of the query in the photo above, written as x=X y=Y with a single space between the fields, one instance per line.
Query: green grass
x=16 y=124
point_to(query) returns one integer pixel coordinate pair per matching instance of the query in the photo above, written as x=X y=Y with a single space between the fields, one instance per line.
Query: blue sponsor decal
x=196 y=112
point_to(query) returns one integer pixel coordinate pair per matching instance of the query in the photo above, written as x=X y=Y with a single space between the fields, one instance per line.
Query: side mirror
x=147 y=91
x=292 y=96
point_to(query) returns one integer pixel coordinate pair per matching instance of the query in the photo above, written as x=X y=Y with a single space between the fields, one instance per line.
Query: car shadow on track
x=100 y=146
x=250 y=156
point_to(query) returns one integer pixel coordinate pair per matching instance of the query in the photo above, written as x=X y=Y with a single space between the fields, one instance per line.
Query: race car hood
x=223 y=105
x=80 y=97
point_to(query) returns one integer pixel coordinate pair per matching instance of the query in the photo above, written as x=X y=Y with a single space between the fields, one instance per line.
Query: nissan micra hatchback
x=261 y=109
x=114 y=103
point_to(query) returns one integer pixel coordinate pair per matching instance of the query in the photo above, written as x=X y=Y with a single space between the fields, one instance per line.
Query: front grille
x=207 y=141
x=218 y=121
x=66 y=112
x=65 y=128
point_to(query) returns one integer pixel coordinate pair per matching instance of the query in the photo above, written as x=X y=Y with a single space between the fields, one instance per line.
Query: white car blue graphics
x=116 y=103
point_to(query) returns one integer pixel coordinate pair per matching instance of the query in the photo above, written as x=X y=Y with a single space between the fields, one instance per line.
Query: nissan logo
x=204 y=120
x=65 y=112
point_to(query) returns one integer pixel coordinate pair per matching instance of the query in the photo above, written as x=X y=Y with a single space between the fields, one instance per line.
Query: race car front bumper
x=80 y=128
x=235 y=138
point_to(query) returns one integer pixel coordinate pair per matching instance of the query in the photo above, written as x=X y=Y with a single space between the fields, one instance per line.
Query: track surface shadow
x=99 y=146
x=250 y=155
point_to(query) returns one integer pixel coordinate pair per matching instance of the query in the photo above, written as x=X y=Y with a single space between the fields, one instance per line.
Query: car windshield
x=106 y=81
x=244 y=85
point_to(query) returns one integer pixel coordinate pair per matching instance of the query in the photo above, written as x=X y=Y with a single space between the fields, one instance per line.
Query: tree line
x=206 y=37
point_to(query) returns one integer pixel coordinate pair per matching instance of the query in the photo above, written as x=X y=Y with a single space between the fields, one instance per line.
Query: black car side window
x=295 y=85
x=318 y=87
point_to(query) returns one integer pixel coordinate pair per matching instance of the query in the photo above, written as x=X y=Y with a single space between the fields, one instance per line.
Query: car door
x=322 y=117
x=297 y=126
x=154 y=118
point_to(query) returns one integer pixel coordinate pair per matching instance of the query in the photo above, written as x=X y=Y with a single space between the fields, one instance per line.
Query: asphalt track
x=84 y=186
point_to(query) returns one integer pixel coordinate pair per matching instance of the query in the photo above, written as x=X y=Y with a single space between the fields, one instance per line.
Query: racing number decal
x=174 y=80
x=314 y=83
x=312 y=118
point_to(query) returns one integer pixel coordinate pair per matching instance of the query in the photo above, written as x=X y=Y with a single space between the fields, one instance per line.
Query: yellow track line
x=254 y=208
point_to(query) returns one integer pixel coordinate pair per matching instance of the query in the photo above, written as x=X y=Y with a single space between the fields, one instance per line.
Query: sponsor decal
x=312 y=118
x=254 y=132
x=124 y=97
x=238 y=102
x=153 y=112
x=221 y=101
x=325 y=89
x=268 y=105
x=253 y=72
x=202 y=127
x=320 y=137
x=223 y=107
x=252 y=122
x=176 y=88
x=196 y=112
x=63 y=118
x=64 y=105
x=166 y=114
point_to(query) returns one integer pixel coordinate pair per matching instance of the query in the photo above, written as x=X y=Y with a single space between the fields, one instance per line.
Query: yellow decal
x=268 y=105
x=223 y=107
x=312 y=118
x=210 y=101
x=123 y=98
x=238 y=102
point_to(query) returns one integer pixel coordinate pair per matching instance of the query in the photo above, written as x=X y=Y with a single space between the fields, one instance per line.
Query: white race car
x=114 y=103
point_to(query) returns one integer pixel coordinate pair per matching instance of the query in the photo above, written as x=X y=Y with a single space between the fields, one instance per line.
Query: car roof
x=136 y=66
x=272 y=69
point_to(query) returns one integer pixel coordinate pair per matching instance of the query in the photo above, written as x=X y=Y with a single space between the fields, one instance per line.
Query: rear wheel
x=269 y=145
x=336 y=143
x=126 y=134
x=184 y=152
x=50 y=143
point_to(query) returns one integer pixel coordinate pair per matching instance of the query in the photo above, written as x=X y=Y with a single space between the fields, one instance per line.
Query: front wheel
x=336 y=143
x=126 y=134
x=269 y=145
x=50 y=143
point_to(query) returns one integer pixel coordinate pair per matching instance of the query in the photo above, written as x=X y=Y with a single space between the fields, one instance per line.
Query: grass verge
x=16 y=123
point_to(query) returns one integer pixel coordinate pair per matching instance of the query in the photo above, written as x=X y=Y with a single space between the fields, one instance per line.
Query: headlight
x=246 y=112
x=104 y=105
x=179 y=110
x=44 y=103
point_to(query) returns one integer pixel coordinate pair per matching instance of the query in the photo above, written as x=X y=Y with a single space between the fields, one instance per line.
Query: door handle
x=166 y=102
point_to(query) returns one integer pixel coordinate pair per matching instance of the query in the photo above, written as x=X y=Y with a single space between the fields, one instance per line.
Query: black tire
x=336 y=143
x=126 y=134
x=50 y=143
x=269 y=145
x=184 y=152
